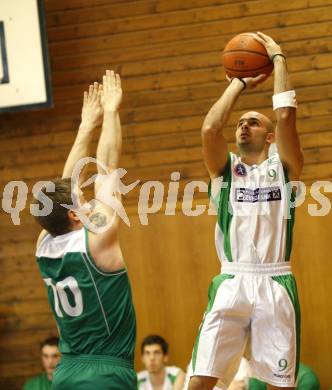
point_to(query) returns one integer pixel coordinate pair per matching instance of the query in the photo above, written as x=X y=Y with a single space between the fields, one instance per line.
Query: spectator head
x=50 y=354
x=154 y=351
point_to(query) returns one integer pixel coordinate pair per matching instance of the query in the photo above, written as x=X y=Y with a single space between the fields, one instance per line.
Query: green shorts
x=92 y=372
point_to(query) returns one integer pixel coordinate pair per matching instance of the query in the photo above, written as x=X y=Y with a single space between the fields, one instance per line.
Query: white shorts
x=262 y=299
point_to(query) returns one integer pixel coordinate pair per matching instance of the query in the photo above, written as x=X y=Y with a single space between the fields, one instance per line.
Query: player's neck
x=253 y=157
x=157 y=379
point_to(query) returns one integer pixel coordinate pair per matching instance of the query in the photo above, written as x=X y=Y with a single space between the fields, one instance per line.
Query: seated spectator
x=157 y=375
x=50 y=356
x=306 y=380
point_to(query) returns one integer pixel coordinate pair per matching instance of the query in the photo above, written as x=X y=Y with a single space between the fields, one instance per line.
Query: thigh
x=223 y=333
x=276 y=332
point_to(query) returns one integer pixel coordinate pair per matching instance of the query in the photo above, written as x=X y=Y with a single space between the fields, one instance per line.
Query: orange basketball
x=243 y=56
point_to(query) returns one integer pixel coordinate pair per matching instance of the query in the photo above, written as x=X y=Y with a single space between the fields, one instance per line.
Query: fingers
x=108 y=80
x=85 y=98
x=265 y=37
x=105 y=85
x=259 y=79
x=95 y=91
x=111 y=80
x=117 y=80
x=260 y=39
x=100 y=92
x=92 y=94
x=90 y=91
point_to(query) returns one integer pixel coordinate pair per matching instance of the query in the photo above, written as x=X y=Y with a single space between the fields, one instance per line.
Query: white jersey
x=255 y=221
x=144 y=383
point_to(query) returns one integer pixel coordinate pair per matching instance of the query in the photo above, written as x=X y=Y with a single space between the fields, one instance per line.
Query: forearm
x=287 y=139
x=80 y=148
x=219 y=113
x=284 y=115
x=281 y=77
x=110 y=142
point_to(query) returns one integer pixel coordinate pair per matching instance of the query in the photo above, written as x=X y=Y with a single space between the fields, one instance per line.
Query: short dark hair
x=57 y=222
x=54 y=341
x=155 y=339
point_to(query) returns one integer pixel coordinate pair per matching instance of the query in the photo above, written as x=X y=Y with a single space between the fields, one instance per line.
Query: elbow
x=286 y=114
x=208 y=130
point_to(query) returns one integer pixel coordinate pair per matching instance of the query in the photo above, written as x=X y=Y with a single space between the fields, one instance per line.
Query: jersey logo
x=266 y=194
x=240 y=170
x=272 y=173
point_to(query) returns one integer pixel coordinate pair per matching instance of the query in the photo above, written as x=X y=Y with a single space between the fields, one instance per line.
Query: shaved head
x=254 y=133
x=265 y=121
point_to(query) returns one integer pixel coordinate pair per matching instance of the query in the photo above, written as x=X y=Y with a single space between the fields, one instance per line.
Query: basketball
x=243 y=56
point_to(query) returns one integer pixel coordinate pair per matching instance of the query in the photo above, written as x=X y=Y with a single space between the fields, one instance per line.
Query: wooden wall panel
x=169 y=55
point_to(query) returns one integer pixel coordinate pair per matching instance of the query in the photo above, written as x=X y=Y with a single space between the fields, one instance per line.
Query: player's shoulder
x=31 y=383
x=41 y=237
x=273 y=158
x=57 y=246
x=174 y=370
x=142 y=379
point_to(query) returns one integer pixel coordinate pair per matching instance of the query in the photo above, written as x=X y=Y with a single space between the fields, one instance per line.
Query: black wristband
x=243 y=82
x=278 y=54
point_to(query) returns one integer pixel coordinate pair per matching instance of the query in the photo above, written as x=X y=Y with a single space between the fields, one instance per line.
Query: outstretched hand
x=92 y=109
x=111 y=95
x=251 y=82
x=270 y=45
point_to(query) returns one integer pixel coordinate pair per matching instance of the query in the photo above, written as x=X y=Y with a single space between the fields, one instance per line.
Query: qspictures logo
x=153 y=195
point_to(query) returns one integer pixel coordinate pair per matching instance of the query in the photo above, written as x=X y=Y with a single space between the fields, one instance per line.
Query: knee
x=201 y=383
x=195 y=383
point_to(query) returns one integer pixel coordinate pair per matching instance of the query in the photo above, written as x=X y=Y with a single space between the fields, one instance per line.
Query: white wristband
x=284 y=99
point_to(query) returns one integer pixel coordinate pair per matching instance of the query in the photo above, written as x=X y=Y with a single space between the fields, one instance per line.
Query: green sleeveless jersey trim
x=223 y=208
x=255 y=212
x=291 y=219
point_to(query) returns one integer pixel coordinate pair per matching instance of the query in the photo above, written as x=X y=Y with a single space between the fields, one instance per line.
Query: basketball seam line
x=246 y=51
x=246 y=70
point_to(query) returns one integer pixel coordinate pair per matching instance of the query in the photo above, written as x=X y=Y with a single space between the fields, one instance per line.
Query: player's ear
x=270 y=137
x=165 y=358
x=72 y=215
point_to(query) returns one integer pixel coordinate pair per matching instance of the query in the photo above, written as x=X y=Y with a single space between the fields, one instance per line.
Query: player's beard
x=247 y=146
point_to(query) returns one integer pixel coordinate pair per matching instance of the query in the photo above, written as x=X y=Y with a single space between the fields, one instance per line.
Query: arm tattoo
x=98 y=219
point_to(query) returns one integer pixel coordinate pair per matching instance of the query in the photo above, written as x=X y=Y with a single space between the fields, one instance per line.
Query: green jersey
x=93 y=309
x=40 y=382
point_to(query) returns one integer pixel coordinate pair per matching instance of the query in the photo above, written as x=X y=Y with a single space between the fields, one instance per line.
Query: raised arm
x=104 y=244
x=287 y=139
x=110 y=142
x=90 y=119
x=214 y=144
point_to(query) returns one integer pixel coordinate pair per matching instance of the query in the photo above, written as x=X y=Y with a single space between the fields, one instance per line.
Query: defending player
x=256 y=290
x=88 y=286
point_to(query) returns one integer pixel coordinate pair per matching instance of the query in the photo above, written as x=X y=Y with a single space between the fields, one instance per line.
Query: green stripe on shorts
x=214 y=286
x=289 y=284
